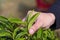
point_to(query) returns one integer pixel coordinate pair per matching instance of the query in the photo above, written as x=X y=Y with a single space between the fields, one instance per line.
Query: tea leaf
x=46 y=33
x=51 y=34
x=40 y=33
x=7 y=25
x=4 y=33
x=4 y=21
x=17 y=29
x=1 y=27
x=45 y=38
x=15 y=32
x=3 y=18
x=16 y=20
x=21 y=34
x=2 y=38
x=32 y=20
x=20 y=39
x=29 y=16
x=34 y=37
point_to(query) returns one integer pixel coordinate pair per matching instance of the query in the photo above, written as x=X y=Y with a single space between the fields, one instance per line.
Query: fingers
x=35 y=27
x=44 y=20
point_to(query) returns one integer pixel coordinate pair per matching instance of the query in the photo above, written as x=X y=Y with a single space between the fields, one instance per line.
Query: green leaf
x=29 y=16
x=20 y=39
x=2 y=38
x=46 y=33
x=15 y=32
x=45 y=38
x=6 y=25
x=51 y=34
x=3 y=18
x=5 y=33
x=5 y=22
x=21 y=34
x=34 y=37
x=32 y=20
x=1 y=27
x=40 y=33
x=16 y=20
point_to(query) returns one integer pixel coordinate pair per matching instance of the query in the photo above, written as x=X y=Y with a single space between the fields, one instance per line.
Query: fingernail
x=31 y=31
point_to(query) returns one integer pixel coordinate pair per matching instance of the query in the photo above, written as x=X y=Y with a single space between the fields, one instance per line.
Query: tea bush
x=16 y=29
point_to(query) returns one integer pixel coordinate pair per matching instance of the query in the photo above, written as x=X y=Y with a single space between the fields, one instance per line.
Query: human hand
x=44 y=20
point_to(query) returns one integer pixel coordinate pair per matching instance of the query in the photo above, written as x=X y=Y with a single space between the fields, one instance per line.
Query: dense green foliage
x=16 y=29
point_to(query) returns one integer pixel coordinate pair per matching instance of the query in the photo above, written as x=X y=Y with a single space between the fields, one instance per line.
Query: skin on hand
x=44 y=20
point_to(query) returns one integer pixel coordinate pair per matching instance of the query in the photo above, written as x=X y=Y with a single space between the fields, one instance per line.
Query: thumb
x=35 y=27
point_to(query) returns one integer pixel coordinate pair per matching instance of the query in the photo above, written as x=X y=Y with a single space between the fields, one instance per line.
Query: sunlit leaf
x=21 y=34
x=20 y=39
x=32 y=20
x=40 y=33
x=7 y=25
x=29 y=16
x=5 y=22
x=15 y=32
x=4 y=33
x=3 y=18
x=51 y=34
x=16 y=20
